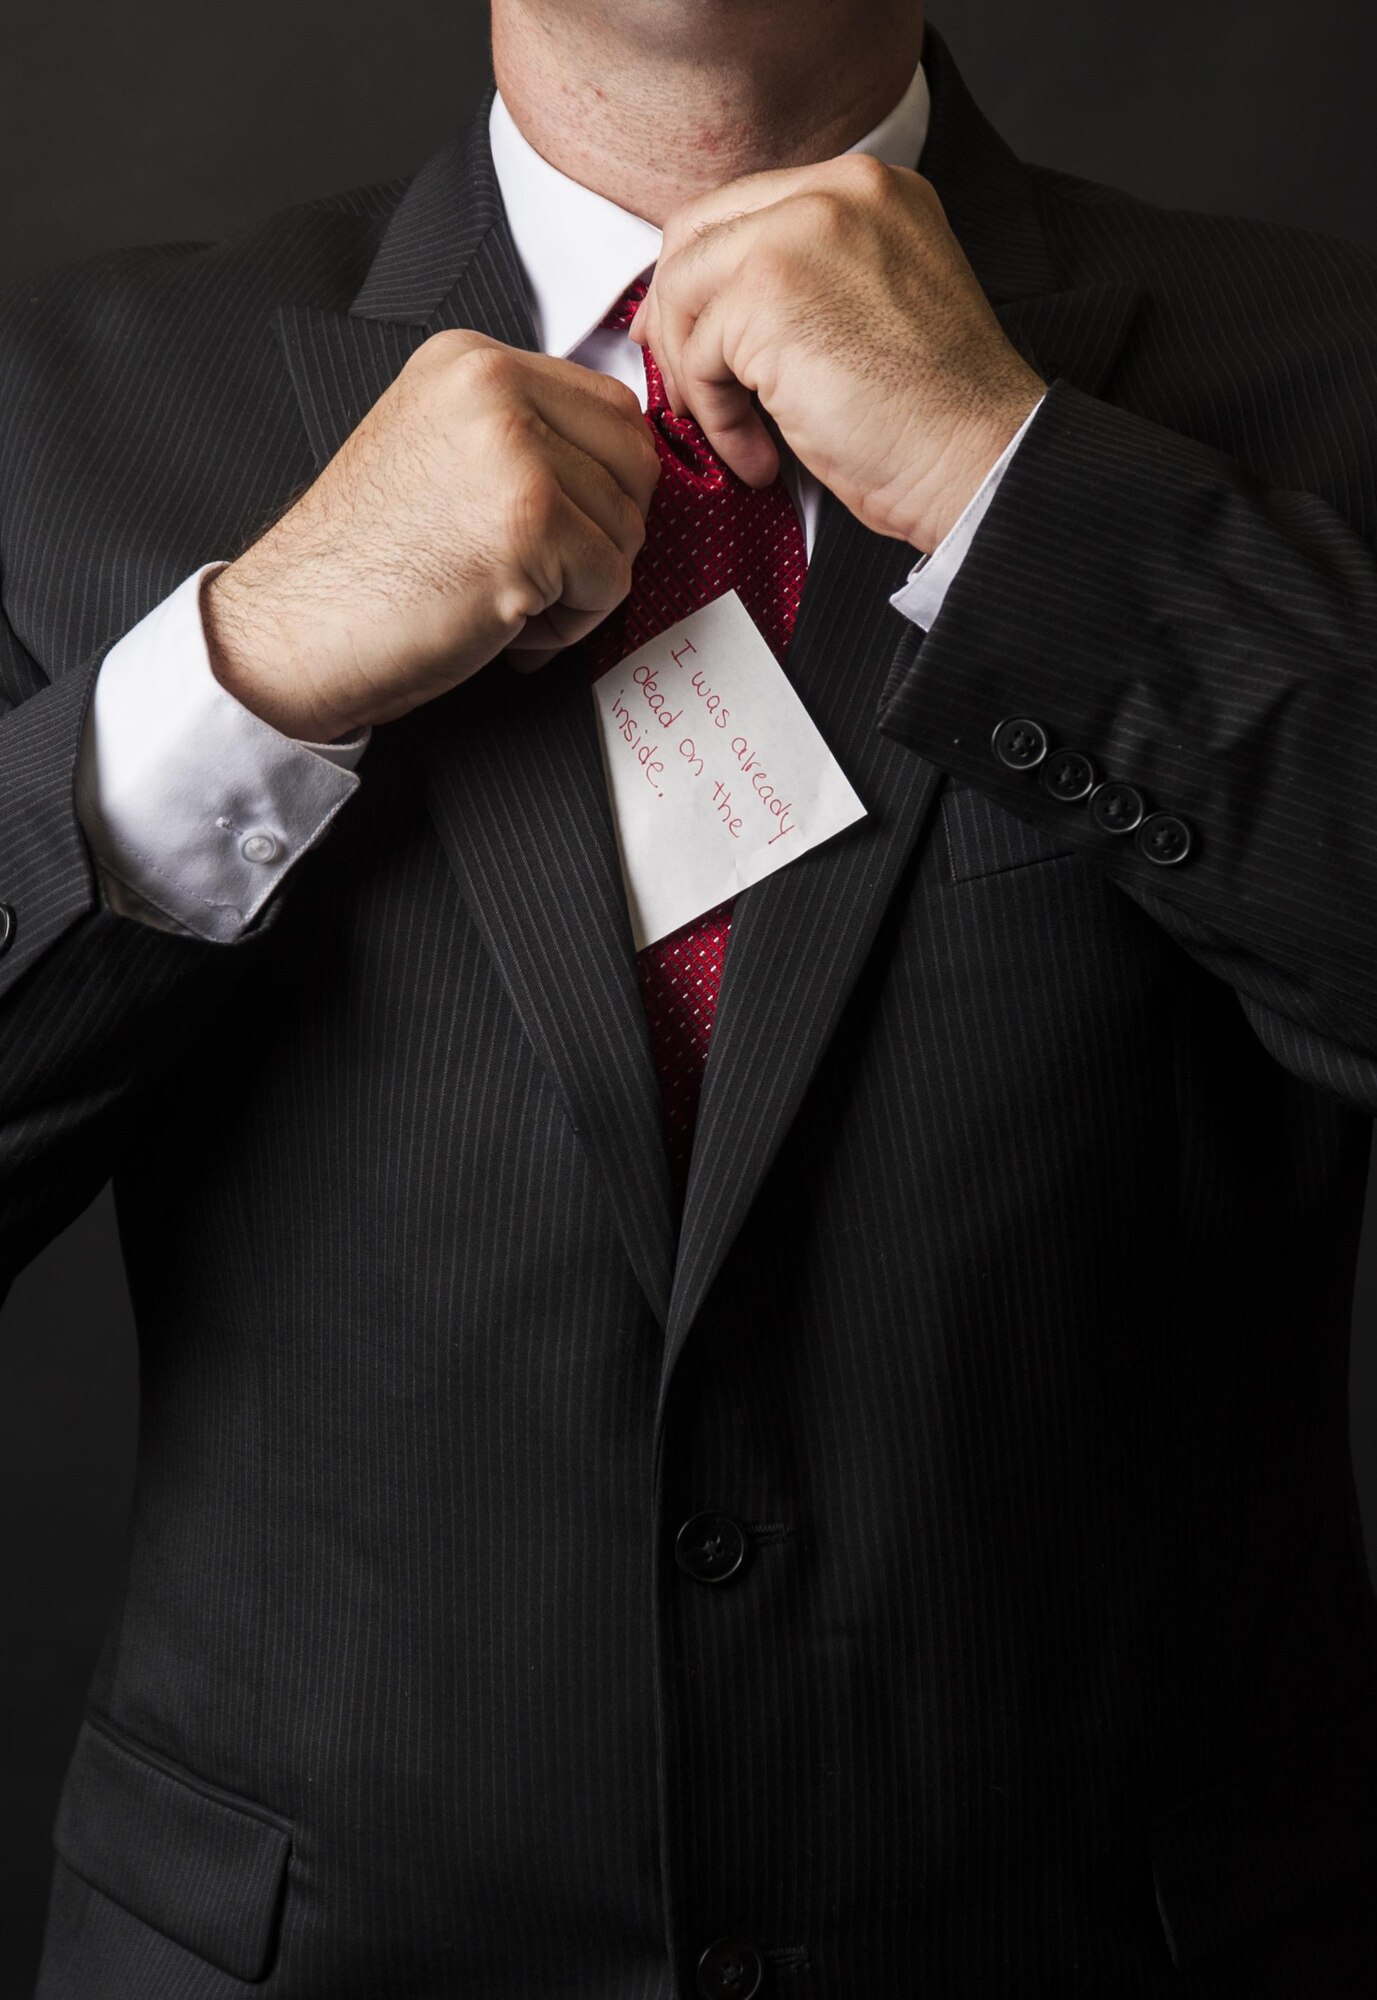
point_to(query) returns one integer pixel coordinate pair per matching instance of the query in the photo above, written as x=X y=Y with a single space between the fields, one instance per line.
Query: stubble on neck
x=650 y=102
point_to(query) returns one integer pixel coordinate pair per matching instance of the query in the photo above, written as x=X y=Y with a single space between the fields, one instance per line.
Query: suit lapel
x=445 y=260
x=516 y=789
x=800 y=939
x=510 y=765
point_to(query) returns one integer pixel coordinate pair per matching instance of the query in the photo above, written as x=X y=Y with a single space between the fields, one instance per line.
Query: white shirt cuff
x=194 y=807
x=925 y=592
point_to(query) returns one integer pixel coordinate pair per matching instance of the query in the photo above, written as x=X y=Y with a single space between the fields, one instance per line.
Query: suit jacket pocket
x=1242 y=1857
x=983 y=839
x=201 y=1865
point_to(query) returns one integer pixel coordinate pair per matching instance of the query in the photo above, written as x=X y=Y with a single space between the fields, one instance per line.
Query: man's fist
x=838 y=296
x=490 y=498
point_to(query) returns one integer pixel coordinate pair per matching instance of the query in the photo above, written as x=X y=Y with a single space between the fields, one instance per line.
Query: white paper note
x=717 y=773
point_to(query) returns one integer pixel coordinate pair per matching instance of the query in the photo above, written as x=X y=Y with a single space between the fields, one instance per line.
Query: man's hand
x=489 y=499
x=837 y=295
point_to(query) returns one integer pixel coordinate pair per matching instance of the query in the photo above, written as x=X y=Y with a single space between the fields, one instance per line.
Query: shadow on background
x=158 y=121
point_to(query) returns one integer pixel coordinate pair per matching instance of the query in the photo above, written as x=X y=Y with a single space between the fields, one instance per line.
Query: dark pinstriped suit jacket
x=1009 y=1309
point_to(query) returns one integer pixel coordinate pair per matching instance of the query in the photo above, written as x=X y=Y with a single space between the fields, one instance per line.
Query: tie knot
x=683 y=449
x=622 y=314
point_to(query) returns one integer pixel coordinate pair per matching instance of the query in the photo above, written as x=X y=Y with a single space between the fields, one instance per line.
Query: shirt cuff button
x=260 y=846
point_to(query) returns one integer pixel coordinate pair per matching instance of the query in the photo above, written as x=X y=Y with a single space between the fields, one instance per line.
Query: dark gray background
x=158 y=120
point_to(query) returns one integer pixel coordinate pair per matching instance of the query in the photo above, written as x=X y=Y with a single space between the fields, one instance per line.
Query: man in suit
x=811 y=1459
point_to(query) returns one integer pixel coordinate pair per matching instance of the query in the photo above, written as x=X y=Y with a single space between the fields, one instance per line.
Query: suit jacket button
x=1116 y=808
x=1067 y=775
x=6 y=928
x=731 y=1969
x=710 y=1547
x=1020 y=743
x=1164 y=839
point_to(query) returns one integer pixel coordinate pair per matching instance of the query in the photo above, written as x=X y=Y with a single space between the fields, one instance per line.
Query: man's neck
x=650 y=102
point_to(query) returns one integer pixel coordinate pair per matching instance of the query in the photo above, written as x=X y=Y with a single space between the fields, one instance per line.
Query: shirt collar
x=580 y=252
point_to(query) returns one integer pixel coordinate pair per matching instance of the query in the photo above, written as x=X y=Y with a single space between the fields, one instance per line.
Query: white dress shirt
x=195 y=808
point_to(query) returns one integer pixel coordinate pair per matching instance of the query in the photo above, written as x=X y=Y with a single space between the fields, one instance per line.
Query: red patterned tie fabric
x=707 y=533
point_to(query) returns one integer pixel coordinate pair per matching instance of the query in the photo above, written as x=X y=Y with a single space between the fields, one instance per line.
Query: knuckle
x=442 y=353
x=618 y=577
x=593 y=385
x=682 y=224
x=516 y=601
x=622 y=399
x=633 y=527
x=613 y=397
x=450 y=342
x=435 y=351
x=510 y=428
x=729 y=414
x=775 y=260
x=864 y=175
x=534 y=502
x=669 y=267
x=827 y=211
x=931 y=203
x=491 y=369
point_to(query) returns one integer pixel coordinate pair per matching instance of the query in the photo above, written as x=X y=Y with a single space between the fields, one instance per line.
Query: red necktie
x=707 y=533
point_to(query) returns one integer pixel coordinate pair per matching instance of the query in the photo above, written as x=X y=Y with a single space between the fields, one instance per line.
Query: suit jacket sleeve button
x=6 y=928
x=710 y=1547
x=731 y=1969
x=1164 y=839
x=1020 y=743
x=1067 y=775
x=1116 y=808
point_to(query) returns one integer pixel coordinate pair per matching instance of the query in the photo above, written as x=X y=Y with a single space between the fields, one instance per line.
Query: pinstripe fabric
x=223 y=1866
x=1009 y=1310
